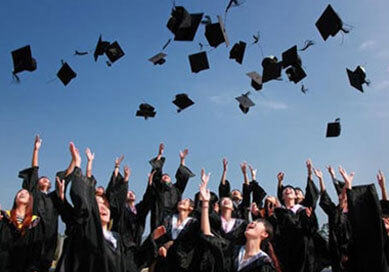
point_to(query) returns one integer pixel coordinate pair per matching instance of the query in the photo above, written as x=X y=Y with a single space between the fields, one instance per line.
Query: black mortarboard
x=184 y=25
x=114 y=52
x=23 y=60
x=329 y=23
x=333 y=129
x=295 y=73
x=338 y=186
x=245 y=102
x=101 y=47
x=291 y=58
x=158 y=59
x=216 y=33
x=146 y=111
x=198 y=62
x=256 y=80
x=182 y=101
x=66 y=74
x=385 y=208
x=237 y=52
x=357 y=77
x=271 y=69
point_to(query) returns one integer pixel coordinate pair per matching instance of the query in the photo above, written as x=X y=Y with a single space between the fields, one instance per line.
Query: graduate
x=20 y=237
x=166 y=195
x=45 y=206
x=241 y=204
x=249 y=257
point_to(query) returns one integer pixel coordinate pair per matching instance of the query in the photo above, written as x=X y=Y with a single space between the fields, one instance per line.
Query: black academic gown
x=166 y=196
x=19 y=253
x=293 y=242
x=219 y=246
x=45 y=206
x=340 y=234
x=181 y=254
x=241 y=210
x=368 y=234
x=311 y=194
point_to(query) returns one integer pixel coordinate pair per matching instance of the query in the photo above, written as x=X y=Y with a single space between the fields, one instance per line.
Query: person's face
x=22 y=197
x=256 y=230
x=226 y=203
x=44 y=184
x=184 y=205
x=131 y=196
x=166 y=178
x=288 y=193
x=216 y=207
x=99 y=191
x=105 y=213
x=299 y=196
x=236 y=195
x=271 y=203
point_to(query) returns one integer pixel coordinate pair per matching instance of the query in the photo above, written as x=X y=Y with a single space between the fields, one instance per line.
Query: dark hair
x=267 y=246
x=41 y=177
x=28 y=215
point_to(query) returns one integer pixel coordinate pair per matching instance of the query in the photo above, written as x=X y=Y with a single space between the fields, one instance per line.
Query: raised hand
x=162 y=251
x=127 y=173
x=225 y=164
x=75 y=154
x=280 y=177
x=89 y=154
x=37 y=142
x=183 y=155
x=381 y=179
x=61 y=188
x=318 y=173
x=161 y=149
x=253 y=172
x=309 y=167
x=150 y=177
x=158 y=232
x=331 y=171
x=243 y=167
x=348 y=179
x=205 y=194
x=118 y=161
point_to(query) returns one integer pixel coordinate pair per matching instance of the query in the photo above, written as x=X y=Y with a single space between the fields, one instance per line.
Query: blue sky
x=97 y=109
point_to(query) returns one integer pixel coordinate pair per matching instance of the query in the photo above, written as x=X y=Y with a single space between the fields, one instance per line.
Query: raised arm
x=348 y=179
x=309 y=168
x=382 y=183
x=37 y=146
x=183 y=173
x=280 y=187
x=205 y=196
x=157 y=165
x=319 y=175
x=118 y=161
x=91 y=157
x=243 y=167
x=331 y=171
x=224 y=174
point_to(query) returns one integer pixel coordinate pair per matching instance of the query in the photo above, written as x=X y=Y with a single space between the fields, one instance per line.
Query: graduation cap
x=198 y=62
x=182 y=101
x=333 y=129
x=357 y=78
x=329 y=23
x=237 y=52
x=216 y=33
x=23 y=60
x=146 y=111
x=66 y=74
x=114 y=52
x=184 y=25
x=158 y=59
x=256 y=80
x=291 y=58
x=338 y=186
x=245 y=102
x=295 y=73
x=101 y=47
x=271 y=69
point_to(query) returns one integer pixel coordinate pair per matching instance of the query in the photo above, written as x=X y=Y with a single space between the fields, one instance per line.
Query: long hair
x=267 y=246
x=27 y=217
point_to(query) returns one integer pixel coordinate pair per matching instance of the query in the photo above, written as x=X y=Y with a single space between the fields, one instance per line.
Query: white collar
x=177 y=229
x=245 y=262
x=110 y=238
x=295 y=208
x=227 y=225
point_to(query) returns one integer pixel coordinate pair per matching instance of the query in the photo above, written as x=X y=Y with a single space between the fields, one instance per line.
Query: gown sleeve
x=224 y=190
x=183 y=174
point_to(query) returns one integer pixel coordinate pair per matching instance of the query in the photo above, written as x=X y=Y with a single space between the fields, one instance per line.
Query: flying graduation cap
x=333 y=129
x=66 y=73
x=146 y=111
x=216 y=33
x=182 y=101
x=23 y=61
x=245 y=102
x=184 y=25
x=237 y=52
x=256 y=80
x=101 y=47
x=357 y=78
x=329 y=23
x=158 y=59
x=271 y=69
x=113 y=51
x=198 y=62
x=291 y=59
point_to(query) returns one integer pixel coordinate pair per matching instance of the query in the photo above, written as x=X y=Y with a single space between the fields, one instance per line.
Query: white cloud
x=367 y=45
x=220 y=99
x=274 y=105
x=381 y=85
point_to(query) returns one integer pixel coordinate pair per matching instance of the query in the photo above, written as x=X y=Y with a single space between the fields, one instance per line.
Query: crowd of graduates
x=232 y=230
